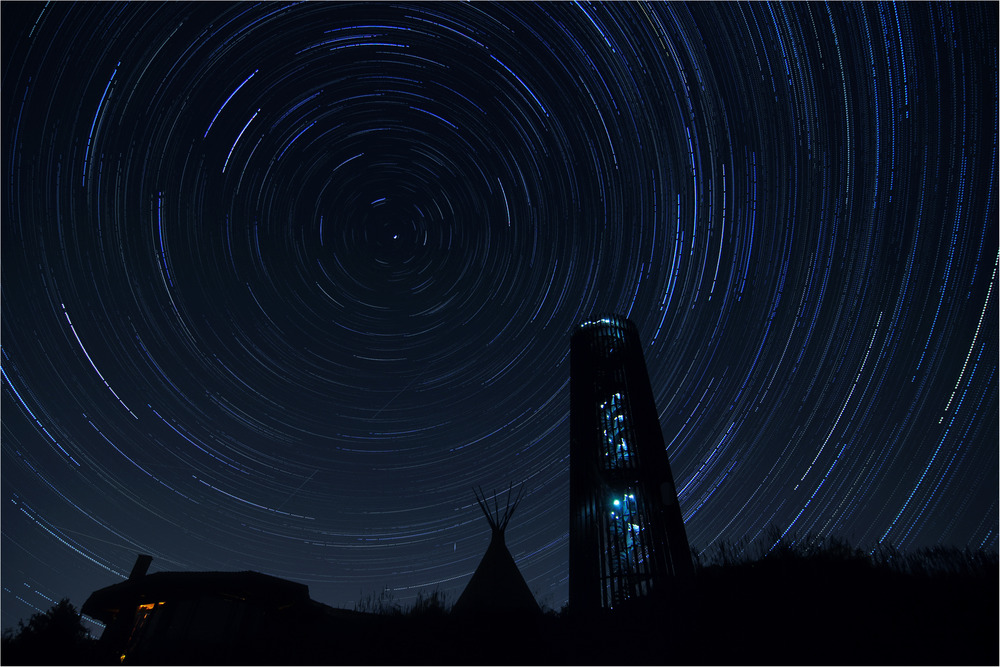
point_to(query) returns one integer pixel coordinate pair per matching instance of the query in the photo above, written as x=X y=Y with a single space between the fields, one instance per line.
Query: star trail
x=283 y=282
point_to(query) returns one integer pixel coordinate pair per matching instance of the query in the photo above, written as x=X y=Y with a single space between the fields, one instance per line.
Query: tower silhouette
x=626 y=534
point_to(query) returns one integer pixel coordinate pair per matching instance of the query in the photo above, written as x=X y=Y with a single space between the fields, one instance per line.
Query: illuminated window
x=628 y=549
x=616 y=431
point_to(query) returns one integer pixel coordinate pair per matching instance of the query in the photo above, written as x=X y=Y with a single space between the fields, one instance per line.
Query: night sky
x=282 y=283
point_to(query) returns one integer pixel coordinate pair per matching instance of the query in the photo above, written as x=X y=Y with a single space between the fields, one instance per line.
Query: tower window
x=616 y=433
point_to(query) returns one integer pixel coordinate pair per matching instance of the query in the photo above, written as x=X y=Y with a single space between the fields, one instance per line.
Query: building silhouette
x=627 y=535
x=212 y=618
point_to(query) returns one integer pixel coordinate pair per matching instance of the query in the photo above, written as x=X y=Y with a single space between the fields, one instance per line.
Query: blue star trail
x=283 y=282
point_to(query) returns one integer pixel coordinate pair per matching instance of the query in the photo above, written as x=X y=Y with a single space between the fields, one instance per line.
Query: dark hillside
x=796 y=605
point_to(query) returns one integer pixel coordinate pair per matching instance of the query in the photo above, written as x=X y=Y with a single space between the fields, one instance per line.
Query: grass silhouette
x=779 y=601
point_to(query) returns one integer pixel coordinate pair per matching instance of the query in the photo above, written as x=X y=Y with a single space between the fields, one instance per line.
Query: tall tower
x=626 y=535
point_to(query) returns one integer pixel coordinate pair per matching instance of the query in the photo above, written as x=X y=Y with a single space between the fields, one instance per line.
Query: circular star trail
x=282 y=283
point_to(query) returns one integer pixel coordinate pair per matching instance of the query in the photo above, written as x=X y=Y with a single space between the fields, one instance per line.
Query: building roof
x=105 y=603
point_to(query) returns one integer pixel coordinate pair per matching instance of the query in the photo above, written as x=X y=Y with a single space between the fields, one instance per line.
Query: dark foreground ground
x=773 y=611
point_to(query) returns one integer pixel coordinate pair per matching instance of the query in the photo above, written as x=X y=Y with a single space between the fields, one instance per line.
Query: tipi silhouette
x=497 y=586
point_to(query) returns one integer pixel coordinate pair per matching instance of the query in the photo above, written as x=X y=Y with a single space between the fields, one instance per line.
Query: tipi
x=497 y=587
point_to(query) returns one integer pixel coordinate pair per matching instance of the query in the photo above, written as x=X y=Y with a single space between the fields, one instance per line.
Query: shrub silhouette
x=384 y=603
x=429 y=604
x=788 y=597
x=54 y=637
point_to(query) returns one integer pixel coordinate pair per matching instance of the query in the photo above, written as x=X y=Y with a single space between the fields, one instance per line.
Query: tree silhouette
x=53 y=637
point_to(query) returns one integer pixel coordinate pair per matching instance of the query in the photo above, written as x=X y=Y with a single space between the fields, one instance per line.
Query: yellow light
x=122 y=659
x=150 y=605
